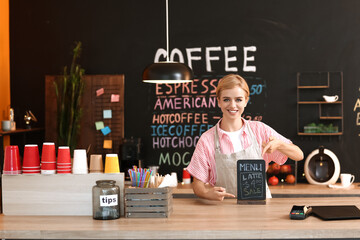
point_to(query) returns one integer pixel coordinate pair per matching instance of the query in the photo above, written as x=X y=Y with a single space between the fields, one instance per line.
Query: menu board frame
x=251 y=181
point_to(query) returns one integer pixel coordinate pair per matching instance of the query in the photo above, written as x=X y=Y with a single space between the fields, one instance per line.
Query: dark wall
x=122 y=36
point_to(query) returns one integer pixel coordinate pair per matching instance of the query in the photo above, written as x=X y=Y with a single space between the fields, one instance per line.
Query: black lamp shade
x=167 y=72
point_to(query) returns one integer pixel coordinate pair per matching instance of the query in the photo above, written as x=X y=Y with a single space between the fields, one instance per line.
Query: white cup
x=6 y=125
x=154 y=169
x=346 y=179
x=331 y=98
x=80 y=165
x=174 y=175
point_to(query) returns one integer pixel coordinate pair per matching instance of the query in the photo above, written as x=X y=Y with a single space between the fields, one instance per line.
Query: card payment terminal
x=300 y=212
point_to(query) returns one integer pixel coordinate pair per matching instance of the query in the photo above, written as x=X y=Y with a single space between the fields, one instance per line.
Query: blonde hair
x=230 y=81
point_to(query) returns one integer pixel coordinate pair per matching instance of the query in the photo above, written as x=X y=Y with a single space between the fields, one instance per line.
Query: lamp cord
x=167 y=30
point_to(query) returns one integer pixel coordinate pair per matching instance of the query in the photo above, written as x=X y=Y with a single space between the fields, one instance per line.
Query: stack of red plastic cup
x=12 y=163
x=48 y=158
x=186 y=177
x=31 y=160
x=64 y=160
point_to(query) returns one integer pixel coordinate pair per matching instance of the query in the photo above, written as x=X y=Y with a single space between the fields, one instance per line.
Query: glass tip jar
x=106 y=200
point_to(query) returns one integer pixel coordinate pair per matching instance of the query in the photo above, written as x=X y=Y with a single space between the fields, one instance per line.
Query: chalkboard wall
x=267 y=42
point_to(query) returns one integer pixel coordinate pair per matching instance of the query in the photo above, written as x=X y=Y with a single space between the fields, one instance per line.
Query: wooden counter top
x=289 y=191
x=310 y=190
x=193 y=219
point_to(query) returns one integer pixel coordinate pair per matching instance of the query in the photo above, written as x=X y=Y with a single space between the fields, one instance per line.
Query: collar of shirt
x=224 y=138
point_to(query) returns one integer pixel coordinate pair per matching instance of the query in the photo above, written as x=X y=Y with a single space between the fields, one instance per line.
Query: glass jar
x=106 y=200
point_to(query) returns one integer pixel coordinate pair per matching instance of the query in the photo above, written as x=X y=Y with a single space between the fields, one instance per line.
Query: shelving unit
x=313 y=85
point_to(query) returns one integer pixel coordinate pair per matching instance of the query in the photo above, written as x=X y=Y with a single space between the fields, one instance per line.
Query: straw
x=140 y=177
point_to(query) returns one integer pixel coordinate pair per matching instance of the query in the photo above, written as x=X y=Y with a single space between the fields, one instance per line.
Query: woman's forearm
x=199 y=188
x=292 y=151
x=206 y=191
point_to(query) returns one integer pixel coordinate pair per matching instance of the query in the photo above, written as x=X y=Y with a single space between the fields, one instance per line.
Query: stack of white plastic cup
x=80 y=165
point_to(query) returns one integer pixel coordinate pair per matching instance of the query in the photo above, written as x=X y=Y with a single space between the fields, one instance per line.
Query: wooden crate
x=58 y=194
x=148 y=202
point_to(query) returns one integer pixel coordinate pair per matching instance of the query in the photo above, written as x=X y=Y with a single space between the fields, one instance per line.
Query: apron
x=225 y=164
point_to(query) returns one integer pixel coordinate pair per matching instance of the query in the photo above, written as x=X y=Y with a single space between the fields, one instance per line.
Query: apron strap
x=253 y=138
x=217 y=144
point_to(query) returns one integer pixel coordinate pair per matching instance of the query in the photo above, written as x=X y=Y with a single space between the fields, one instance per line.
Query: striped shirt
x=202 y=165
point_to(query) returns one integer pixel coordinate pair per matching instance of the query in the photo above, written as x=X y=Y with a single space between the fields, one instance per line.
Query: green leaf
x=69 y=90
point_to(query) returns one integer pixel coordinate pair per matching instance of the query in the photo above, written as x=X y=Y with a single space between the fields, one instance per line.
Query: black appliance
x=130 y=155
x=322 y=167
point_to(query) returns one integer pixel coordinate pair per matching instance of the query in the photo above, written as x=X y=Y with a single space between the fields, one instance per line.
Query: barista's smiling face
x=232 y=102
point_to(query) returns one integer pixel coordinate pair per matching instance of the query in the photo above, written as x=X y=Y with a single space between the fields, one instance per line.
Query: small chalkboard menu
x=251 y=181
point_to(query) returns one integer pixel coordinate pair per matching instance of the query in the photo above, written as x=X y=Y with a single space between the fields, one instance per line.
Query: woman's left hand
x=289 y=149
x=271 y=146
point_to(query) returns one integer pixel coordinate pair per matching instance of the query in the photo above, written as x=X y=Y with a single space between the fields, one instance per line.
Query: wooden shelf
x=309 y=87
x=321 y=87
x=332 y=118
x=320 y=134
x=318 y=102
x=20 y=130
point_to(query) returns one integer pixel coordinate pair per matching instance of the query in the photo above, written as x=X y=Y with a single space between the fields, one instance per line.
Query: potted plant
x=69 y=90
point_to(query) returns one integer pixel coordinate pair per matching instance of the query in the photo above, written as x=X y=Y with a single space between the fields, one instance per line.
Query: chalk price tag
x=251 y=181
x=108 y=200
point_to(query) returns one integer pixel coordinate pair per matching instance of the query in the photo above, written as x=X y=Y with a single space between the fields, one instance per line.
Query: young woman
x=213 y=164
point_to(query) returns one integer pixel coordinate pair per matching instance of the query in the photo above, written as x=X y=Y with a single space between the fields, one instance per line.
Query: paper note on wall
x=99 y=125
x=106 y=130
x=107 y=144
x=100 y=92
x=107 y=114
x=115 y=97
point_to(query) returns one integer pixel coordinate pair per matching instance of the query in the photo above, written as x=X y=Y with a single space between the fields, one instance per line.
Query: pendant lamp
x=167 y=71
